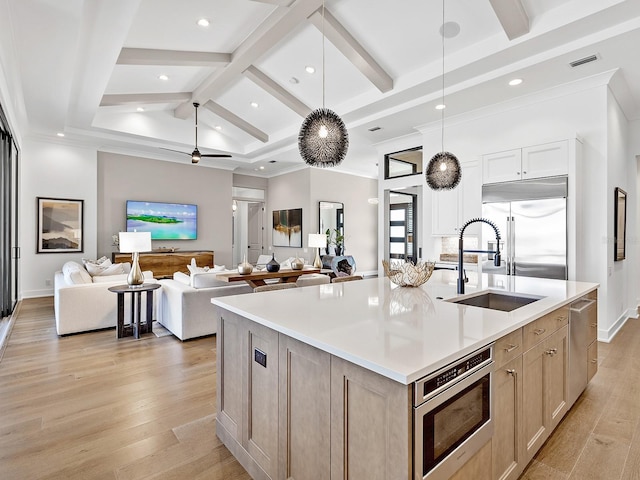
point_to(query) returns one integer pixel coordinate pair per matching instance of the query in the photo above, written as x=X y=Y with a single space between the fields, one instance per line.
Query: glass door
x=402 y=228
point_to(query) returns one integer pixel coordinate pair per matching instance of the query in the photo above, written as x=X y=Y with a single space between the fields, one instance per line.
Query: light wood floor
x=90 y=406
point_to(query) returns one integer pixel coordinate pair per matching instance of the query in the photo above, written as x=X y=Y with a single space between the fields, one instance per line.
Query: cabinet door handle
x=594 y=360
x=594 y=325
x=524 y=172
x=551 y=352
x=511 y=348
x=512 y=372
x=561 y=318
x=539 y=331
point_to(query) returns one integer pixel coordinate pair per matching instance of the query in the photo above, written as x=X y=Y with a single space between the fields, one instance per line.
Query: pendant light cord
x=323 y=53
x=442 y=99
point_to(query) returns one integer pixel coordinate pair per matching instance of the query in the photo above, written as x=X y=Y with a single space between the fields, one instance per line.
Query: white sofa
x=83 y=303
x=186 y=310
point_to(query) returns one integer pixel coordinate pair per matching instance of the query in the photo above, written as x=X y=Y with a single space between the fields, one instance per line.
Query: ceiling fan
x=196 y=155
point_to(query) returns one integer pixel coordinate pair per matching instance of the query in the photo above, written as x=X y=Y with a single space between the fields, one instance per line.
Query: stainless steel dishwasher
x=583 y=313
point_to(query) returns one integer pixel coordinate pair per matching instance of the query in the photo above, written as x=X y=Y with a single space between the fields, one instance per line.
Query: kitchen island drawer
x=544 y=326
x=508 y=347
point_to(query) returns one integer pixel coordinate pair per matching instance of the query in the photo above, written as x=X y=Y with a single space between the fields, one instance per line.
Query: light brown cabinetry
x=370 y=424
x=248 y=403
x=544 y=389
x=304 y=420
x=165 y=264
x=507 y=441
x=306 y=415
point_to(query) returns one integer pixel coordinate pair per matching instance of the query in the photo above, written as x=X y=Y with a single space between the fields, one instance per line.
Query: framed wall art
x=60 y=225
x=287 y=228
x=620 y=226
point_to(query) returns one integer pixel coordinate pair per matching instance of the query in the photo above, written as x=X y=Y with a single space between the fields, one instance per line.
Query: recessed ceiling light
x=309 y=69
x=441 y=106
x=203 y=22
x=294 y=80
x=139 y=109
x=218 y=127
x=60 y=134
x=254 y=104
x=515 y=81
x=163 y=77
x=261 y=167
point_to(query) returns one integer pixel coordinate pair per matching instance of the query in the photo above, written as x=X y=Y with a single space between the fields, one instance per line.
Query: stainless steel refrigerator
x=532 y=218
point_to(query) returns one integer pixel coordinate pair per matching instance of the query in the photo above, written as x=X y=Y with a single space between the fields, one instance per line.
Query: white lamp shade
x=317 y=240
x=131 y=242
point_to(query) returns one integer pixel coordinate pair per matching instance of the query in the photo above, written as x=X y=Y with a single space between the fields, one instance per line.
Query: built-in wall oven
x=452 y=415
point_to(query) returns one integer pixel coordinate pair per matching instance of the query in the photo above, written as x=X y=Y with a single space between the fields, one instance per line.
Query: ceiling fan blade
x=177 y=151
x=215 y=155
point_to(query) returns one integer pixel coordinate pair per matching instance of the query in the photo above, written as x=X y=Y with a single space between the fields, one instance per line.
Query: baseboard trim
x=6 y=326
x=607 y=335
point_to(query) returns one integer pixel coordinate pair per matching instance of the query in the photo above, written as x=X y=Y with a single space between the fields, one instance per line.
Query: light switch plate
x=260 y=357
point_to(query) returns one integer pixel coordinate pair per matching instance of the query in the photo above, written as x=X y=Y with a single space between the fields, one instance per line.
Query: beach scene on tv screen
x=165 y=221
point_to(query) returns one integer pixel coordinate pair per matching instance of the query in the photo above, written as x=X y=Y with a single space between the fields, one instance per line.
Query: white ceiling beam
x=277 y=26
x=237 y=121
x=143 y=98
x=513 y=17
x=276 y=90
x=148 y=56
x=350 y=48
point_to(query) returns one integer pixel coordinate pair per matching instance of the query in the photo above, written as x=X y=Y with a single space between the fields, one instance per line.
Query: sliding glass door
x=9 y=251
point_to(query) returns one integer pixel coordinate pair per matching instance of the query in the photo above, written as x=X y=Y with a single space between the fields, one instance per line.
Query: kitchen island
x=317 y=382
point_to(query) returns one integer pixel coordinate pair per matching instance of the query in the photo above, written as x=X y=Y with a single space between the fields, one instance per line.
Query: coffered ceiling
x=90 y=68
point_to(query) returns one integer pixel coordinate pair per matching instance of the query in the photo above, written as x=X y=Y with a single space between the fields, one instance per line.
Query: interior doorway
x=248 y=231
x=402 y=226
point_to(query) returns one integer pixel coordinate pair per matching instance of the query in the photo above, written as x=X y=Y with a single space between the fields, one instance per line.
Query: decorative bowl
x=408 y=274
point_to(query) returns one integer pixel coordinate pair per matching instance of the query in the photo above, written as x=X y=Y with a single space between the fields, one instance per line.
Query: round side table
x=135 y=327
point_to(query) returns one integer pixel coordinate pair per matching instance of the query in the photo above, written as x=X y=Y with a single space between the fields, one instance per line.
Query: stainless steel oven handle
x=453 y=389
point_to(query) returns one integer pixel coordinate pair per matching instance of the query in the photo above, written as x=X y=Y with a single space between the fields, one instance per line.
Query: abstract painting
x=287 y=228
x=60 y=225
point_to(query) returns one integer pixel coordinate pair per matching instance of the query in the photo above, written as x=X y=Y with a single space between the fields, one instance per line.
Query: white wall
x=305 y=188
x=360 y=217
x=56 y=171
x=122 y=177
x=622 y=281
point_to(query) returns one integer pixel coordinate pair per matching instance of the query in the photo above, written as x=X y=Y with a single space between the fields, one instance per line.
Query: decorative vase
x=297 y=264
x=245 y=267
x=273 y=265
x=338 y=250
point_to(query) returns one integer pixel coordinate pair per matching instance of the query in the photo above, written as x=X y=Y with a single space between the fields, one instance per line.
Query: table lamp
x=317 y=240
x=134 y=243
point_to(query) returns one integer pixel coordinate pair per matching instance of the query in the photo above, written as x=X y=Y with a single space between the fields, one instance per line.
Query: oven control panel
x=452 y=372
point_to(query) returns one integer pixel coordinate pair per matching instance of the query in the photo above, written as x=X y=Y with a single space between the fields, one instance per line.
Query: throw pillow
x=102 y=270
x=75 y=274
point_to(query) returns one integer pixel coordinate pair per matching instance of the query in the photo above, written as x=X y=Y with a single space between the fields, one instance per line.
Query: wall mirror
x=403 y=163
x=620 y=226
x=331 y=215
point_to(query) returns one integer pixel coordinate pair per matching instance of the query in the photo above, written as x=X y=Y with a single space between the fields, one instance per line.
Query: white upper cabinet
x=451 y=208
x=539 y=161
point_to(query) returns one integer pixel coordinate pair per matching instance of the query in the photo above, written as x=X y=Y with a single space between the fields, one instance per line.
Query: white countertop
x=400 y=333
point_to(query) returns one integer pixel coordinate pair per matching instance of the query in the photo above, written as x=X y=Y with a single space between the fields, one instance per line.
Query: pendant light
x=443 y=171
x=323 y=139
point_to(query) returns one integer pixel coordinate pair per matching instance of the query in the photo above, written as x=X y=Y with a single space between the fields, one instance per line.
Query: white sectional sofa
x=83 y=302
x=186 y=309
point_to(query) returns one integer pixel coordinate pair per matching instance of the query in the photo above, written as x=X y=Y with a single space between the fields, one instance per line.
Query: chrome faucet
x=462 y=279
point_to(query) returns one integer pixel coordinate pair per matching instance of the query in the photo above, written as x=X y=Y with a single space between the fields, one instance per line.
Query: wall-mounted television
x=165 y=221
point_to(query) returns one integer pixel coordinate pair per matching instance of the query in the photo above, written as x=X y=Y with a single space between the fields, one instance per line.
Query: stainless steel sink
x=496 y=301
